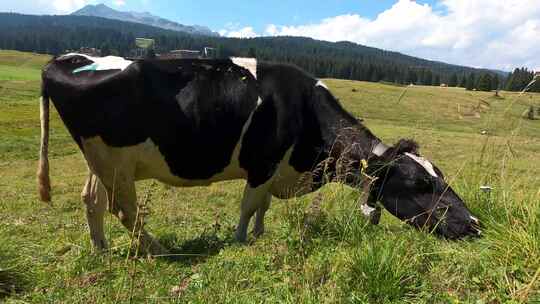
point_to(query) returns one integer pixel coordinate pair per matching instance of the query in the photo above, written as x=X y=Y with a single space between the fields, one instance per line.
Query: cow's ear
x=406 y=146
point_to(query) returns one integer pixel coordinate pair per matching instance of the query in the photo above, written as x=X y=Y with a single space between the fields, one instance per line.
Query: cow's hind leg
x=95 y=199
x=254 y=199
x=258 y=228
x=123 y=203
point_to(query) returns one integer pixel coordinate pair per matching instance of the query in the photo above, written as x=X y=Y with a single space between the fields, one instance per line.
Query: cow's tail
x=44 y=181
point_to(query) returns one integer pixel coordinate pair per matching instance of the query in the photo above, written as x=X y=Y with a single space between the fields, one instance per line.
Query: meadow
x=476 y=138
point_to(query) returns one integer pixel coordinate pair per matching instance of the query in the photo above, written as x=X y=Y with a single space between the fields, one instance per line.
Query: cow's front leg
x=123 y=203
x=95 y=199
x=254 y=199
x=368 y=205
x=372 y=213
x=258 y=228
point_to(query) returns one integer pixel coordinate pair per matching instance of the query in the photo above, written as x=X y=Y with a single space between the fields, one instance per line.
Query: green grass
x=335 y=256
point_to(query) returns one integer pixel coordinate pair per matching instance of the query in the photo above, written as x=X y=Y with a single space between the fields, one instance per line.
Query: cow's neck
x=347 y=143
x=343 y=134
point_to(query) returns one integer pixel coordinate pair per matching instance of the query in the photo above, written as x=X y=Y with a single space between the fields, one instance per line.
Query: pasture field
x=335 y=257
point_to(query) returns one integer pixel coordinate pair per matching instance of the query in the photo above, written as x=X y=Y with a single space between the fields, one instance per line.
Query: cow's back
x=188 y=114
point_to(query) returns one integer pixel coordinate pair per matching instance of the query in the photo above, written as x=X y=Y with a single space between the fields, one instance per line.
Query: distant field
x=476 y=138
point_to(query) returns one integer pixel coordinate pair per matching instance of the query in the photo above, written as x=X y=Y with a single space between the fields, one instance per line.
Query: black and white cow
x=192 y=122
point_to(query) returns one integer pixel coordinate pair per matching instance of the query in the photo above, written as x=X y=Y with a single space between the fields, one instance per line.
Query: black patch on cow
x=276 y=123
x=193 y=110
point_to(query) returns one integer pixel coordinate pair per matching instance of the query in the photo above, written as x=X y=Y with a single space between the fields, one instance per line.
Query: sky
x=496 y=34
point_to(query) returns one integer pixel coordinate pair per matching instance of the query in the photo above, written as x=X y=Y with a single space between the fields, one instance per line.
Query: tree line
x=520 y=78
x=344 y=60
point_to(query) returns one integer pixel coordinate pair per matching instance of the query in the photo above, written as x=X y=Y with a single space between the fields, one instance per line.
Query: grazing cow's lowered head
x=414 y=190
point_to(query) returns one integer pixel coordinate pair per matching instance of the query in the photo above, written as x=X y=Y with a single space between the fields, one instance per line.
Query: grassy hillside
x=45 y=253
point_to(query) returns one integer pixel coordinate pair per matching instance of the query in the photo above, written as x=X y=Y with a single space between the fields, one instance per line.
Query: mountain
x=102 y=10
x=345 y=60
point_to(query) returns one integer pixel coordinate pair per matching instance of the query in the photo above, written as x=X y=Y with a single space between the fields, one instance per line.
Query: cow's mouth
x=453 y=230
x=441 y=223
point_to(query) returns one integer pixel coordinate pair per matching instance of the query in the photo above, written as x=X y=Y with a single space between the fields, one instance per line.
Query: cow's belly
x=152 y=164
x=145 y=161
x=287 y=182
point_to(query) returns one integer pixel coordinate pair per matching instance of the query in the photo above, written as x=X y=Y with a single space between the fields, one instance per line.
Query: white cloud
x=486 y=33
x=68 y=6
x=119 y=2
x=245 y=32
x=43 y=6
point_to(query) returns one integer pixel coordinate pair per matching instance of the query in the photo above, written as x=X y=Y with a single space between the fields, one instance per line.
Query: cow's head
x=415 y=191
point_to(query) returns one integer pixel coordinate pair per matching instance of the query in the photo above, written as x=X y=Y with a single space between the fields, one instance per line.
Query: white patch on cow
x=475 y=220
x=366 y=209
x=287 y=182
x=102 y=63
x=321 y=84
x=380 y=149
x=424 y=163
x=259 y=102
x=249 y=64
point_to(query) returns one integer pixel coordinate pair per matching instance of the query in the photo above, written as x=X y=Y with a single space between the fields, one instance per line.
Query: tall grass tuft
x=384 y=270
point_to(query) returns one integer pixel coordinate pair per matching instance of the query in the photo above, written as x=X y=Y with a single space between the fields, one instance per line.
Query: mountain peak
x=104 y=11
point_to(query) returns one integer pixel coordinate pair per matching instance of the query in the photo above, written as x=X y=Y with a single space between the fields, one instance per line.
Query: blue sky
x=500 y=34
x=220 y=14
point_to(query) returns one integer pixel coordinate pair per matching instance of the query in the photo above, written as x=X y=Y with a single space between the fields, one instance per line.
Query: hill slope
x=102 y=10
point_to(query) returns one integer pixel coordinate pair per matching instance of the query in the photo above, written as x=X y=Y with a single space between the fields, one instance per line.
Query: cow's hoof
x=241 y=237
x=258 y=232
x=99 y=246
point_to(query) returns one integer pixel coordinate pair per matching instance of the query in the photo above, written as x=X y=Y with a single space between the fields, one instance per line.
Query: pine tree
x=536 y=86
x=428 y=78
x=510 y=81
x=495 y=81
x=453 y=82
x=252 y=53
x=484 y=83
x=411 y=77
x=471 y=82
x=437 y=80
x=519 y=79
x=463 y=82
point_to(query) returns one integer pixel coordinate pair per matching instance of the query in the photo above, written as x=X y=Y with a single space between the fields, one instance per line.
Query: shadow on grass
x=12 y=281
x=196 y=250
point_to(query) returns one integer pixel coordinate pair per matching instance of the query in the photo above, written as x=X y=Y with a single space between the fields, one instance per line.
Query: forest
x=343 y=60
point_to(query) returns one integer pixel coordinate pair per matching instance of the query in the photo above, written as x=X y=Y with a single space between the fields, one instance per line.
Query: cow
x=193 y=122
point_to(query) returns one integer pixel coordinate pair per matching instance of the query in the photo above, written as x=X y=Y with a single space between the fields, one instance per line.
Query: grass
x=329 y=256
